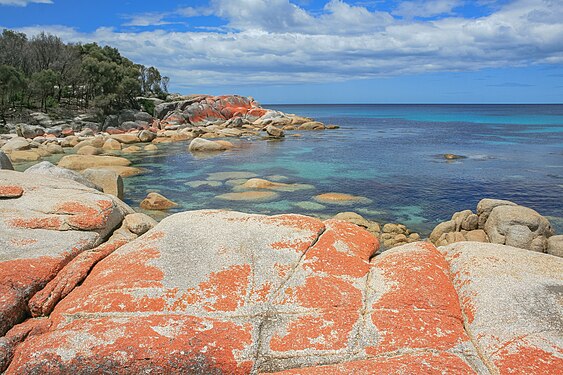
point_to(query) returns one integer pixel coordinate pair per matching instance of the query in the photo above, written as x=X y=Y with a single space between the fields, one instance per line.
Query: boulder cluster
x=196 y=117
x=88 y=286
x=389 y=235
x=500 y=222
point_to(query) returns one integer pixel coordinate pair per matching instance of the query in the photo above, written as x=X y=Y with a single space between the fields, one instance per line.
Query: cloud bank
x=277 y=42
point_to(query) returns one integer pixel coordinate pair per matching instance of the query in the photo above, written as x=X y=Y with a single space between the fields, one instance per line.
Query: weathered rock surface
x=54 y=220
x=46 y=168
x=221 y=292
x=512 y=305
x=110 y=181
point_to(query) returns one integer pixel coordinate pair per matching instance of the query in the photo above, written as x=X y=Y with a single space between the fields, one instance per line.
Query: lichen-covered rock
x=52 y=222
x=224 y=292
x=511 y=299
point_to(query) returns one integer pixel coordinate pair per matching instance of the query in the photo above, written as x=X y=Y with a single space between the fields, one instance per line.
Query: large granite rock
x=219 y=292
x=53 y=221
x=224 y=292
x=46 y=168
x=512 y=304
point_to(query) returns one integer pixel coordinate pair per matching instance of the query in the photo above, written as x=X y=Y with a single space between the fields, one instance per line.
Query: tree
x=44 y=71
x=43 y=85
x=12 y=83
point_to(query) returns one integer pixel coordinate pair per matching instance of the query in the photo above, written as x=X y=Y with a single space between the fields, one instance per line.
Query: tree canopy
x=44 y=72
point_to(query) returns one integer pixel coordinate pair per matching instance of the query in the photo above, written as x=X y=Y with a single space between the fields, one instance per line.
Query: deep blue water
x=389 y=154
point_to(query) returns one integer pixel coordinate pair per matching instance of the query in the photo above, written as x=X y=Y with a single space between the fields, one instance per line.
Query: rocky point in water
x=89 y=286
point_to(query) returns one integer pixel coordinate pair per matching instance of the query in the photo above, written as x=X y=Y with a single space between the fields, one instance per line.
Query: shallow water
x=390 y=154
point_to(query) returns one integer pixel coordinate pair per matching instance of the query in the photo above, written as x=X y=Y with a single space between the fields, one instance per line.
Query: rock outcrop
x=53 y=221
x=221 y=292
x=496 y=221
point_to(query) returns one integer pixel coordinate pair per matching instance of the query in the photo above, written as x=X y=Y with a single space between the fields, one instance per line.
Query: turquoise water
x=389 y=154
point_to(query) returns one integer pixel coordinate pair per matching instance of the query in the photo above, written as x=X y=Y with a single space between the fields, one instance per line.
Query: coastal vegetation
x=44 y=73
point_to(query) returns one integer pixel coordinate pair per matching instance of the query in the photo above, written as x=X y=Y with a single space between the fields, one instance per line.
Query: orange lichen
x=10 y=191
x=225 y=290
x=528 y=359
x=52 y=223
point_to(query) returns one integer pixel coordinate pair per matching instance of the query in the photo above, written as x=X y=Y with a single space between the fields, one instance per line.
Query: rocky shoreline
x=90 y=286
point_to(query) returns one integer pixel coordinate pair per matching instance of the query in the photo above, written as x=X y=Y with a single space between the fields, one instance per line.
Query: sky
x=325 y=51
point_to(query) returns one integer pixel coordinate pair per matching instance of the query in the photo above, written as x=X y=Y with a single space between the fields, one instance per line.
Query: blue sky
x=326 y=51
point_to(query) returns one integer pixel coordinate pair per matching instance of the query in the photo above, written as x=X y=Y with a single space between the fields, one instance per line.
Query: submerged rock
x=340 y=198
x=260 y=196
x=235 y=175
x=259 y=183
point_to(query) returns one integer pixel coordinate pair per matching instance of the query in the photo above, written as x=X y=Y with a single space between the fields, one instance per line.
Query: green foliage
x=148 y=105
x=45 y=72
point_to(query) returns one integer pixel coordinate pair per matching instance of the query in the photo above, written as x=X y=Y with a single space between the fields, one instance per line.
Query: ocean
x=390 y=154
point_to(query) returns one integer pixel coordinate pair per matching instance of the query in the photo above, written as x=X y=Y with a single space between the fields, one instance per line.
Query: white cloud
x=298 y=46
x=23 y=3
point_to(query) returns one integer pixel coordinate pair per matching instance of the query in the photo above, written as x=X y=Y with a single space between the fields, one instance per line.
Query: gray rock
x=111 y=121
x=54 y=221
x=128 y=125
x=485 y=206
x=519 y=236
x=110 y=181
x=502 y=220
x=126 y=115
x=5 y=162
x=143 y=116
x=459 y=218
x=471 y=222
x=29 y=131
x=161 y=110
x=555 y=245
x=45 y=168
x=512 y=303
